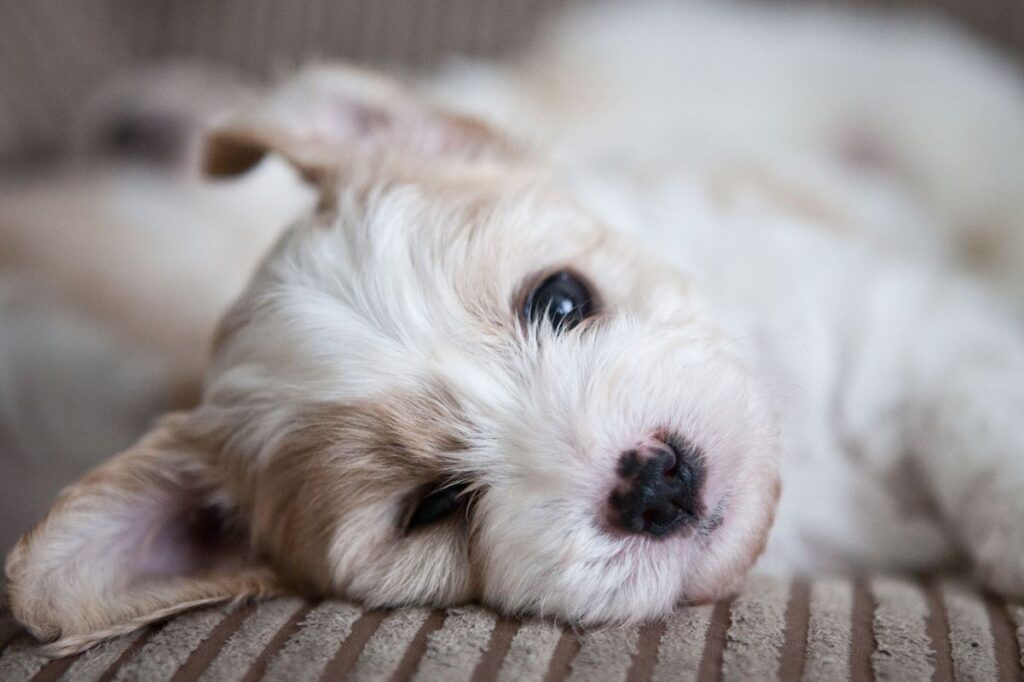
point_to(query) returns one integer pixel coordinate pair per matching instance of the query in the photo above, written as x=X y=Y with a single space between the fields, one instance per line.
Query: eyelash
x=435 y=503
x=566 y=287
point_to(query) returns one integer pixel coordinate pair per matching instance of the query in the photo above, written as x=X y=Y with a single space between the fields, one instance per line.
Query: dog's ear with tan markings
x=143 y=536
x=325 y=116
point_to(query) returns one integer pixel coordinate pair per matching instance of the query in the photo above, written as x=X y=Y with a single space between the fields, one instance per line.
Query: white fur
x=662 y=100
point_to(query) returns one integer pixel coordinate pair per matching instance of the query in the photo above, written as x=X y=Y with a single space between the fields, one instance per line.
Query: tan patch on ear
x=732 y=184
x=324 y=119
x=81 y=575
x=474 y=139
x=232 y=151
x=229 y=153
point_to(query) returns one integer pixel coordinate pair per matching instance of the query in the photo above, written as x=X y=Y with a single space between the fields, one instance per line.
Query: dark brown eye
x=436 y=503
x=563 y=299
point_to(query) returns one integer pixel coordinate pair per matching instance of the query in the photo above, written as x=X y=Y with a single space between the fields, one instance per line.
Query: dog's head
x=449 y=383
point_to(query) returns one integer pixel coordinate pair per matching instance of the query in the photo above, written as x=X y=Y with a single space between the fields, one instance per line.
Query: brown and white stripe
x=903 y=649
x=319 y=635
x=970 y=634
x=758 y=631
x=230 y=662
x=682 y=644
x=828 y=629
x=396 y=632
x=530 y=652
x=1018 y=621
x=454 y=650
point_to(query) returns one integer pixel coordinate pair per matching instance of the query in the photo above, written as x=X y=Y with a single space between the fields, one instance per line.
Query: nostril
x=659 y=488
x=671 y=467
x=658 y=521
x=661 y=455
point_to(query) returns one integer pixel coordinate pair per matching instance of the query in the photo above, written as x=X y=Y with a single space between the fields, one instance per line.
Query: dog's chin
x=641 y=578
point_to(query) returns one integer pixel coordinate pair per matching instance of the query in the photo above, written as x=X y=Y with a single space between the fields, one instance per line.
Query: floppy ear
x=145 y=535
x=326 y=115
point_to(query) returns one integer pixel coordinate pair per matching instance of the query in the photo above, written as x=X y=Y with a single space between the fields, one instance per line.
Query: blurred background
x=54 y=52
x=113 y=253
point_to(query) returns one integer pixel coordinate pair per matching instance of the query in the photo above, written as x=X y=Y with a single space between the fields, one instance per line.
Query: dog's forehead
x=405 y=282
x=459 y=225
x=396 y=274
x=408 y=261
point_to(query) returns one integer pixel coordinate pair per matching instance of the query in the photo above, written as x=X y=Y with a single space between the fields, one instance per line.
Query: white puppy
x=560 y=384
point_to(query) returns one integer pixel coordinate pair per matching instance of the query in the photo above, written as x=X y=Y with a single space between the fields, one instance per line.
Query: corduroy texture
x=886 y=629
x=53 y=52
x=828 y=630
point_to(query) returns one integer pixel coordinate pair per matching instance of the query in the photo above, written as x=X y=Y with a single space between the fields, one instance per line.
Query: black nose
x=659 y=487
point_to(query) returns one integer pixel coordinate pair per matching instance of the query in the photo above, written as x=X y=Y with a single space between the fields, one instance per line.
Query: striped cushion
x=823 y=630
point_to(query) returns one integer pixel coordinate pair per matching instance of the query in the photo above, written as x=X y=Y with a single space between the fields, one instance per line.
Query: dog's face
x=450 y=383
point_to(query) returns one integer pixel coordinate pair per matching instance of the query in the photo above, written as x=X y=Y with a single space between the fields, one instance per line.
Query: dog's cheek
x=738 y=543
x=540 y=555
x=430 y=567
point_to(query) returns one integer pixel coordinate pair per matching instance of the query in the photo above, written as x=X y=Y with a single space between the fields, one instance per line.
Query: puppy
x=479 y=372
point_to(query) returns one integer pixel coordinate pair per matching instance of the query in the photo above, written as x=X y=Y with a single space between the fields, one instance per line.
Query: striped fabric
x=53 y=52
x=823 y=630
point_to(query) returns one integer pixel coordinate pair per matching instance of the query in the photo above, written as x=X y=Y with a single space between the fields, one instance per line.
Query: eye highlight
x=437 y=502
x=563 y=299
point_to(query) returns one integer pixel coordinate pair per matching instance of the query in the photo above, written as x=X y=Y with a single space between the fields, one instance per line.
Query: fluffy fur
x=770 y=305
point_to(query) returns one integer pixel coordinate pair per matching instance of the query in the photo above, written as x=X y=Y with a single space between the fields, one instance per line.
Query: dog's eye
x=562 y=298
x=438 y=501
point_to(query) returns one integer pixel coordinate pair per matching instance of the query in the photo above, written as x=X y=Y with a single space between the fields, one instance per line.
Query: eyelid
x=424 y=495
